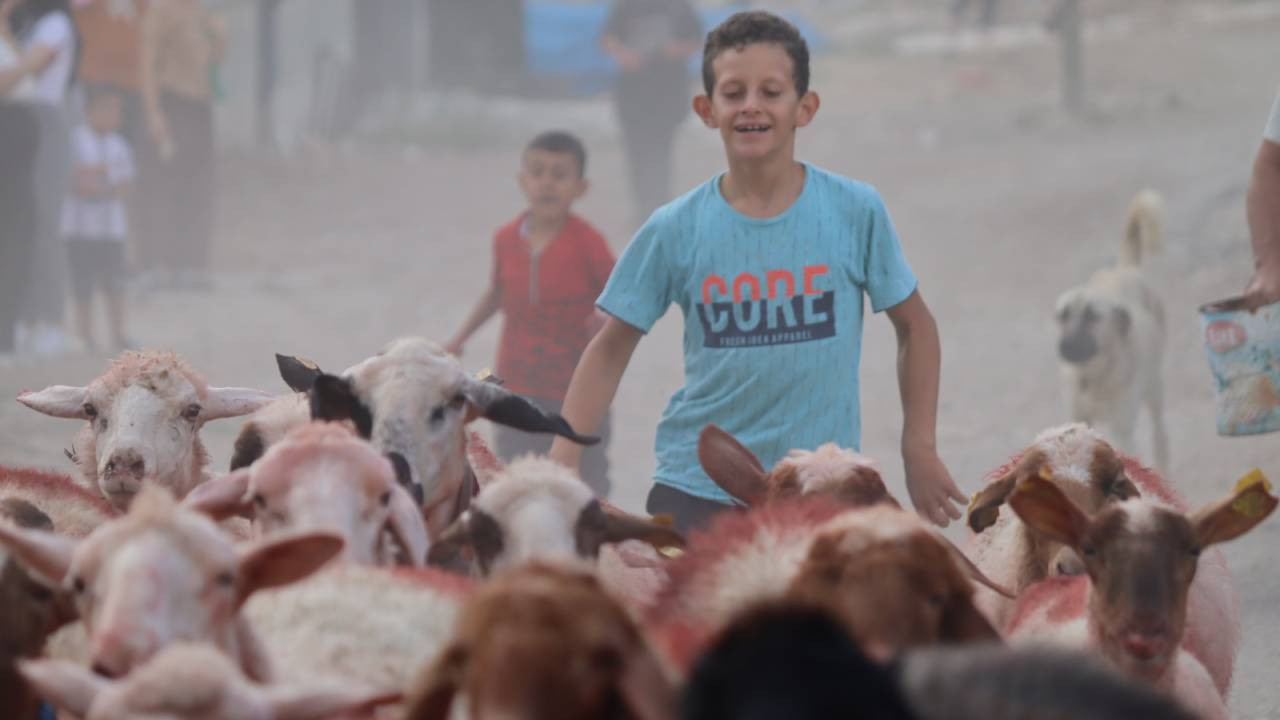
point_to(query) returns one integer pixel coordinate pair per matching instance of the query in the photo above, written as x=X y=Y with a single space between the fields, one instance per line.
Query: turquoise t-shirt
x=773 y=316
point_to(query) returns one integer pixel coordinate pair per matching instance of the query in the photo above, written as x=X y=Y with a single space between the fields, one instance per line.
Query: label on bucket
x=1244 y=357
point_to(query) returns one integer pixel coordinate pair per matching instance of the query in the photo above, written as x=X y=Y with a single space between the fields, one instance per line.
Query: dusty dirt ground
x=1001 y=203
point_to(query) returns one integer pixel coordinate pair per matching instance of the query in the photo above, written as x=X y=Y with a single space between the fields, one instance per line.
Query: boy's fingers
x=951 y=510
x=955 y=494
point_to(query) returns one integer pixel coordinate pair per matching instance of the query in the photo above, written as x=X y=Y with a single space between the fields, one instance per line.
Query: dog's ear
x=1122 y=319
x=1062 y=309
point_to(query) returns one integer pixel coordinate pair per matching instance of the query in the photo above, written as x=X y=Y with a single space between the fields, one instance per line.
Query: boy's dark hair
x=559 y=141
x=752 y=28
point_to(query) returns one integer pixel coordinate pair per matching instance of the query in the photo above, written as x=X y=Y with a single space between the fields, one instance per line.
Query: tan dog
x=1112 y=339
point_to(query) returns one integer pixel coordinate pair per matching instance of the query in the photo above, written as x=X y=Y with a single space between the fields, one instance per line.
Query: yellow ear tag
x=1046 y=472
x=666 y=520
x=307 y=364
x=671 y=551
x=973 y=500
x=1250 y=505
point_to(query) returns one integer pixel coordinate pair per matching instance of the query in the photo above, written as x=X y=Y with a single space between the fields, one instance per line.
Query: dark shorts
x=688 y=511
x=96 y=264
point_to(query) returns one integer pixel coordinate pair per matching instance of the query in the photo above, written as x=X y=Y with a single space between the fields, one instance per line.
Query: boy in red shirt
x=549 y=266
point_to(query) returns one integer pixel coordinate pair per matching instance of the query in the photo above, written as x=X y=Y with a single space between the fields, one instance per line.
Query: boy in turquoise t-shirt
x=770 y=262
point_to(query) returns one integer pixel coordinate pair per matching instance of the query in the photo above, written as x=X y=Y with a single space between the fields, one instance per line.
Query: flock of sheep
x=367 y=557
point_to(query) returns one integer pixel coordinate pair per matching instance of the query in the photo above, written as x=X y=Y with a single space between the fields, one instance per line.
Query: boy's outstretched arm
x=594 y=383
x=932 y=490
x=486 y=306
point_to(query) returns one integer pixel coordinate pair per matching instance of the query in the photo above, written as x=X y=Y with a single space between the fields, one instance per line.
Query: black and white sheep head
x=144 y=416
x=537 y=509
x=413 y=401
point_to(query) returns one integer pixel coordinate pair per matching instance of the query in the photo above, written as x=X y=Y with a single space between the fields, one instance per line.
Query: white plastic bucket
x=1244 y=356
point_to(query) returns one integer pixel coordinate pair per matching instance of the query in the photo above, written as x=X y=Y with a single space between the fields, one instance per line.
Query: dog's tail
x=1144 y=230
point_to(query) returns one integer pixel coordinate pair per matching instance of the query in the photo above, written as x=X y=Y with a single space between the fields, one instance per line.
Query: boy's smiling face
x=754 y=103
x=551 y=182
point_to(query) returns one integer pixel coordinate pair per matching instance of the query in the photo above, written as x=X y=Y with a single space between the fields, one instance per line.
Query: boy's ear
x=808 y=108
x=702 y=106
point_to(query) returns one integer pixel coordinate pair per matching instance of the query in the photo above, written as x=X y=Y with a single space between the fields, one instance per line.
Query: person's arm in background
x=488 y=304
x=1263 y=209
x=30 y=63
x=157 y=124
x=930 y=485
x=611 y=39
x=594 y=384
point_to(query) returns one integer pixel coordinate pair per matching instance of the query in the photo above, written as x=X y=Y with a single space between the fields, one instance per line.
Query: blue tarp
x=562 y=43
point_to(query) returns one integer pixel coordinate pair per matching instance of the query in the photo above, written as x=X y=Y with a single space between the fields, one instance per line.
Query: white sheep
x=143 y=418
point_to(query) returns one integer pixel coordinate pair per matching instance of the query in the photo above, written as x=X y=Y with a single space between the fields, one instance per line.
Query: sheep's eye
x=437 y=415
x=457 y=401
x=1195 y=551
x=386 y=498
x=259 y=500
x=1088 y=550
x=77 y=584
x=90 y=411
x=39 y=593
x=225 y=579
x=192 y=411
x=936 y=600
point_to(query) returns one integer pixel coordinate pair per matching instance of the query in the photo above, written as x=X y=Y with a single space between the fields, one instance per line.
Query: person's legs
x=192 y=123
x=46 y=294
x=688 y=512
x=113 y=274
x=654 y=168
x=18 y=136
x=81 y=270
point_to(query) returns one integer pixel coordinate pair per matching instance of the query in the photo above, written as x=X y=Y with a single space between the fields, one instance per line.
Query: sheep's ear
x=64 y=683
x=432 y=697
x=318 y=704
x=334 y=398
x=645 y=689
x=406 y=525
x=1046 y=510
x=298 y=373
x=225 y=402
x=596 y=527
x=222 y=497
x=44 y=553
x=966 y=566
x=1237 y=514
x=474 y=530
x=60 y=401
x=731 y=465
x=984 y=510
x=285 y=560
x=504 y=407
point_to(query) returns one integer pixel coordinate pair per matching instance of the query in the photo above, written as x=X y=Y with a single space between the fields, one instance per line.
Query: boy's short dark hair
x=559 y=141
x=751 y=28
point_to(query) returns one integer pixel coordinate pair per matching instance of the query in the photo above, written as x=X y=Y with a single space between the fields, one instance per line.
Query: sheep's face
x=162 y=574
x=894 y=593
x=322 y=477
x=144 y=416
x=543 y=643
x=1141 y=559
x=145 y=582
x=537 y=509
x=146 y=432
x=847 y=476
x=409 y=402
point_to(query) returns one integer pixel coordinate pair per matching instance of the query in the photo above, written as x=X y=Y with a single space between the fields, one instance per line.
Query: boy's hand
x=1264 y=289
x=932 y=490
x=454 y=348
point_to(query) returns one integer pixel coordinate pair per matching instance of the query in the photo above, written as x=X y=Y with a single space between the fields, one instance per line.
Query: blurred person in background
x=94 y=220
x=1263 y=210
x=651 y=41
x=182 y=42
x=549 y=265
x=111 y=32
x=44 y=37
x=19 y=133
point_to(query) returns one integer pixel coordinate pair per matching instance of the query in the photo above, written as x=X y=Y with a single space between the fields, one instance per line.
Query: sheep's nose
x=127 y=462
